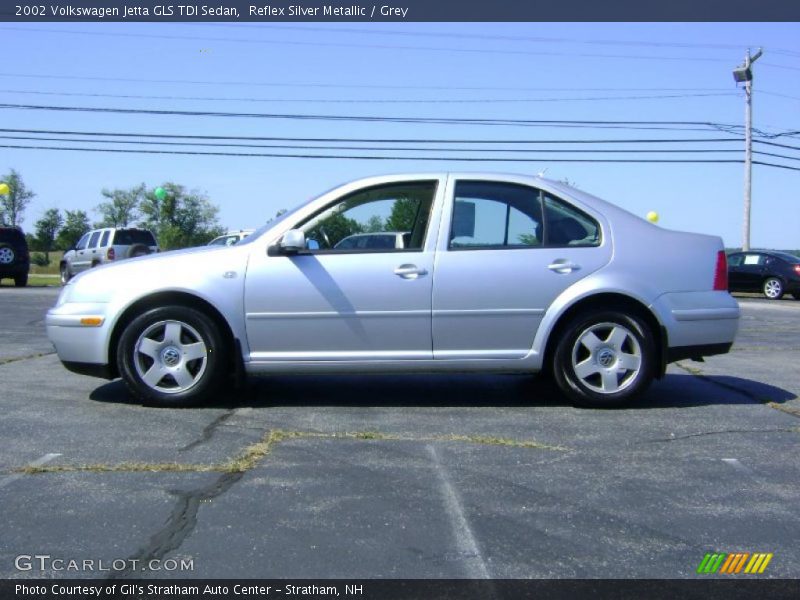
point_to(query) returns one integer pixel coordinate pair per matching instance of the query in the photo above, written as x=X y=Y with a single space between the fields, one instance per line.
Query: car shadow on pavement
x=468 y=390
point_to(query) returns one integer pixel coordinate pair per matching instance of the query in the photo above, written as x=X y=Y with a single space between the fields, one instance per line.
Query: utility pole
x=745 y=74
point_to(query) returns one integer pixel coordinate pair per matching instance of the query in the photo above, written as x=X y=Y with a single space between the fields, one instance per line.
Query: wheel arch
x=610 y=301
x=170 y=298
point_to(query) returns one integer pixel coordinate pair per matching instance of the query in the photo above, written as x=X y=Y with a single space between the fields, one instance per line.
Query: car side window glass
x=565 y=225
x=94 y=239
x=81 y=245
x=734 y=260
x=489 y=214
x=104 y=240
x=372 y=220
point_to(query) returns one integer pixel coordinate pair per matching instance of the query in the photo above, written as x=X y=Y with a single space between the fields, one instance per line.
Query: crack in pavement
x=178 y=526
x=5 y=361
x=209 y=430
x=724 y=431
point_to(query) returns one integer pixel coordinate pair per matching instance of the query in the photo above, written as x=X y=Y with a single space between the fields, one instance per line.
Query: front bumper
x=72 y=329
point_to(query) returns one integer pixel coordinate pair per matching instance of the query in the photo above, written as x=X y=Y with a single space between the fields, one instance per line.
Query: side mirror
x=293 y=240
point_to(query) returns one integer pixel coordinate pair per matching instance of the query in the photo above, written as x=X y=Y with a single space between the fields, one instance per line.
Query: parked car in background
x=500 y=273
x=231 y=238
x=101 y=246
x=770 y=272
x=372 y=241
x=14 y=257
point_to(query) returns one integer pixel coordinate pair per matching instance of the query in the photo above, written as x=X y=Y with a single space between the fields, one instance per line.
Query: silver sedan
x=499 y=273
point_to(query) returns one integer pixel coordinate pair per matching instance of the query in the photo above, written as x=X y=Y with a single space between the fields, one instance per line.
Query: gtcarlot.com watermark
x=47 y=562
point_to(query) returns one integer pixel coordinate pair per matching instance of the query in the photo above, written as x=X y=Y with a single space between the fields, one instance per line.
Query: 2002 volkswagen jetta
x=500 y=273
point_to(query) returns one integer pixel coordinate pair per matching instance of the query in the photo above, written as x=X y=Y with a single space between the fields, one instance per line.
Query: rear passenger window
x=104 y=239
x=565 y=225
x=94 y=239
x=489 y=214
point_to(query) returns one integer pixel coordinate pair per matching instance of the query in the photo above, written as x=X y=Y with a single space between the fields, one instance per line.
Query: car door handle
x=410 y=271
x=563 y=266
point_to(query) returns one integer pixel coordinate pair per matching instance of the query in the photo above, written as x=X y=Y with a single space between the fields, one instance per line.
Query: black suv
x=14 y=258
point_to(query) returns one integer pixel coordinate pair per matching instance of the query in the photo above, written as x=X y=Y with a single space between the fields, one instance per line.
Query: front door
x=368 y=301
x=510 y=251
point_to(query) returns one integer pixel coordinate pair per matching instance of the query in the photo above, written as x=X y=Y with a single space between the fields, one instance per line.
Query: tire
x=21 y=280
x=796 y=295
x=772 y=288
x=604 y=359
x=7 y=254
x=151 y=351
x=65 y=274
x=138 y=250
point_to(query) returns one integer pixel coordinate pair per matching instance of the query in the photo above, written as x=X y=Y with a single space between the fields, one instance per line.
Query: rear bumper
x=697 y=324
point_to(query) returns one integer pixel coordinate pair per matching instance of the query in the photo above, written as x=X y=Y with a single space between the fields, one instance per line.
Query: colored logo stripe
x=734 y=563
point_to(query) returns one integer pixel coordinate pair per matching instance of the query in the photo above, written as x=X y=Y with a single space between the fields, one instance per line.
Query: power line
x=368 y=100
x=206 y=39
x=675 y=125
x=392 y=149
x=380 y=140
x=372 y=157
x=395 y=87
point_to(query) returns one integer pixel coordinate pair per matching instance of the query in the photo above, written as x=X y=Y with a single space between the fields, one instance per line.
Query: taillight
x=797 y=269
x=721 y=272
x=111 y=255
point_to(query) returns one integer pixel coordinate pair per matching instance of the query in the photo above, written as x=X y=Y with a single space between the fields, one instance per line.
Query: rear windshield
x=129 y=237
x=790 y=258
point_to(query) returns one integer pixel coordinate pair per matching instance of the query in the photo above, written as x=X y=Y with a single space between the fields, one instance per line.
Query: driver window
x=385 y=218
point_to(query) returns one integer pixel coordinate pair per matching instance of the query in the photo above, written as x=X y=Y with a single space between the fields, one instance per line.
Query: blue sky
x=452 y=70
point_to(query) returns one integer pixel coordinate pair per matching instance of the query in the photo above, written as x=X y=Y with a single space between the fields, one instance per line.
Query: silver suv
x=101 y=246
x=501 y=273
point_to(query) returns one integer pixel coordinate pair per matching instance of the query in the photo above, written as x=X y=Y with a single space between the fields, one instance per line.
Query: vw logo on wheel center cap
x=170 y=356
x=606 y=357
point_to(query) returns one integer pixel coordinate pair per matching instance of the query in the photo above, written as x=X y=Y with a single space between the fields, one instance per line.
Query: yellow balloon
x=652 y=216
x=4 y=189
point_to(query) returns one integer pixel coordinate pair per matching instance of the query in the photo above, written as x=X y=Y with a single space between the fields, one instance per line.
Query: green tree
x=333 y=230
x=14 y=203
x=180 y=218
x=374 y=225
x=46 y=230
x=121 y=208
x=76 y=223
x=404 y=211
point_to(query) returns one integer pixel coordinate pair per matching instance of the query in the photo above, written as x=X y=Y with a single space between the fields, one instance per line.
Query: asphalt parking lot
x=402 y=477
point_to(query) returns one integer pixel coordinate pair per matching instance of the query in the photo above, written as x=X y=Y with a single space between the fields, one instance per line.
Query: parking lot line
x=462 y=532
x=37 y=463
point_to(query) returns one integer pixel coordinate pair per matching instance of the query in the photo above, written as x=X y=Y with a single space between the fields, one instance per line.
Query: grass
x=35 y=281
x=52 y=268
x=251 y=455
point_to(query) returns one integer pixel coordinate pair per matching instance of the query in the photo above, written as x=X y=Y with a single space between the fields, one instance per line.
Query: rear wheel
x=796 y=295
x=172 y=356
x=773 y=288
x=21 y=280
x=604 y=358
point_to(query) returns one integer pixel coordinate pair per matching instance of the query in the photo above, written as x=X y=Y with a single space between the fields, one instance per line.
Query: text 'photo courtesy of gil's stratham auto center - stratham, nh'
x=453 y=300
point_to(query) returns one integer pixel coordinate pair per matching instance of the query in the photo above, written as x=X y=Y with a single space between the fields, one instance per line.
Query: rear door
x=752 y=271
x=507 y=252
x=83 y=255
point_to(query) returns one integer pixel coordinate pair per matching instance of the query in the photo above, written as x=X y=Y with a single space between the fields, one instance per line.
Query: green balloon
x=160 y=193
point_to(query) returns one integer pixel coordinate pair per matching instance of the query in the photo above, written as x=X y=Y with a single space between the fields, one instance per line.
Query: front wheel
x=773 y=288
x=604 y=358
x=172 y=356
x=65 y=274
